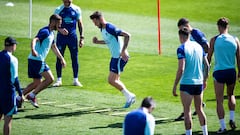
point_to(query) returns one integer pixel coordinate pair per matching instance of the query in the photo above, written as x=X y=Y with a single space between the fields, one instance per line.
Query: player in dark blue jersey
x=140 y=121
x=200 y=38
x=118 y=50
x=72 y=17
x=37 y=68
x=8 y=83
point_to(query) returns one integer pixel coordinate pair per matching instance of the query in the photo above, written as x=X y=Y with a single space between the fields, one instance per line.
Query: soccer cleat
x=33 y=101
x=220 y=131
x=180 y=118
x=77 y=83
x=130 y=101
x=232 y=124
x=57 y=84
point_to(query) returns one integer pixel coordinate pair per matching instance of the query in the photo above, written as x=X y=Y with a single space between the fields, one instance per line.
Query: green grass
x=96 y=108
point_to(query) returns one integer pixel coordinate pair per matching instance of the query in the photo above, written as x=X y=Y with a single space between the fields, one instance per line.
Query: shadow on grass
x=114 y=125
x=105 y=111
x=225 y=97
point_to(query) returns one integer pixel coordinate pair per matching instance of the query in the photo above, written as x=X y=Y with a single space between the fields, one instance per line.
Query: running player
x=37 y=68
x=118 y=51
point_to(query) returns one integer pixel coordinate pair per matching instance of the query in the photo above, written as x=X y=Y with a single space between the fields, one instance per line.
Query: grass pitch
x=97 y=107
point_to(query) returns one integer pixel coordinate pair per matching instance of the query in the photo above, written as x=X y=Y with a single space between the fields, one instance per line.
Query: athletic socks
x=189 y=132
x=59 y=79
x=222 y=124
x=204 y=130
x=126 y=93
x=231 y=117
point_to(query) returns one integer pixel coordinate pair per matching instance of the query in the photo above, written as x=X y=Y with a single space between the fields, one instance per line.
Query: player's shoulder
x=75 y=7
x=59 y=8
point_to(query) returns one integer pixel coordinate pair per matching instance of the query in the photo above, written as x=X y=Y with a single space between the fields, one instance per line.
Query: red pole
x=159 y=33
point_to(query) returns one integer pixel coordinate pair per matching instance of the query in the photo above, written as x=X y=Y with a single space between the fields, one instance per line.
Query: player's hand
x=124 y=56
x=174 y=91
x=94 y=40
x=204 y=85
x=63 y=62
x=63 y=31
x=34 y=53
x=81 y=42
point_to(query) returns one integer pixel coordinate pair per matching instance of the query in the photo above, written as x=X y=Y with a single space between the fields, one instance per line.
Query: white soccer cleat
x=77 y=83
x=130 y=101
x=57 y=84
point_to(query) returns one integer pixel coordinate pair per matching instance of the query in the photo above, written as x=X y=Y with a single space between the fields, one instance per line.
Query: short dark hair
x=96 y=15
x=182 y=21
x=223 y=22
x=54 y=17
x=184 y=31
x=148 y=102
x=10 y=41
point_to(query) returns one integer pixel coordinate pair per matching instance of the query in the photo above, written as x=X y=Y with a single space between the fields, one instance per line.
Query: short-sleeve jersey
x=139 y=122
x=70 y=15
x=193 y=54
x=198 y=36
x=110 y=35
x=46 y=39
x=8 y=75
x=225 y=48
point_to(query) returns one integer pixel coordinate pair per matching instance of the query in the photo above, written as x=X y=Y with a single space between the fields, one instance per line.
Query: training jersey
x=8 y=76
x=110 y=35
x=198 y=36
x=193 y=54
x=139 y=122
x=46 y=39
x=70 y=15
x=225 y=48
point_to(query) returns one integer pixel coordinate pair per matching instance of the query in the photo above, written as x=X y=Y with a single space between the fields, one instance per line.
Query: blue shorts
x=191 y=89
x=227 y=76
x=35 y=68
x=117 y=65
x=8 y=105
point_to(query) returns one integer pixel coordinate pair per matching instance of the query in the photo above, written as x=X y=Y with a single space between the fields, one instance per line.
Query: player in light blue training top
x=226 y=51
x=140 y=121
x=118 y=50
x=199 y=37
x=37 y=67
x=191 y=58
x=9 y=83
x=72 y=16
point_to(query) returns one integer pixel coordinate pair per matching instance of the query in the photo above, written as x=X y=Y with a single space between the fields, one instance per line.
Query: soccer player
x=72 y=16
x=199 y=37
x=37 y=68
x=118 y=52
x=140 y=121
x=8 y=83
x=191 y=58
x=225 y=48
